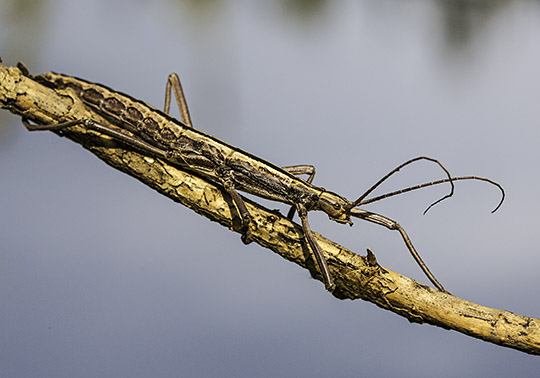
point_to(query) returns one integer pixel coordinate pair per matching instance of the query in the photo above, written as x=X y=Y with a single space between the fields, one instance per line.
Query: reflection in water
x=23 y=22
x=203 y=11
x=304 y=9
x=462 y=18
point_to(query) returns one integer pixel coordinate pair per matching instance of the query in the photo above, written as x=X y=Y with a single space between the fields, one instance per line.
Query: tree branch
x=355 y=276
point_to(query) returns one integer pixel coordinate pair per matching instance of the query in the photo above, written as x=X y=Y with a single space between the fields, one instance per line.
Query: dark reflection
x=463 y=18
x=204 y=9
x=24 y=22
x=304 y=9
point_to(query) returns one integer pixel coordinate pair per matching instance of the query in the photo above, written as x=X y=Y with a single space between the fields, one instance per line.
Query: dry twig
x=355 y=276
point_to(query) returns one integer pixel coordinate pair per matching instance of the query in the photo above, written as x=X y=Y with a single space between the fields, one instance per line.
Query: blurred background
x=101 y=276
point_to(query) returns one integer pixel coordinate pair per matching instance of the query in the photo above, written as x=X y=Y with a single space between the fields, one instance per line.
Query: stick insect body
x=158 y=134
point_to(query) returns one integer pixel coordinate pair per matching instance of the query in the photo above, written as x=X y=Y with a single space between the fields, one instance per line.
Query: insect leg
x=242 y=210
x=173 y=83
x=321 y=261
x=106 y=130
x=393 y=225
x=303 y=169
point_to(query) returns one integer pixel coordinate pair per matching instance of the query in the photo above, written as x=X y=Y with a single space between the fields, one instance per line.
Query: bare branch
x=355 y=276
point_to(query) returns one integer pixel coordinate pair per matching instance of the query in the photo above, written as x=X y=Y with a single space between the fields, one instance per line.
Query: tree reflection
x=464 y=18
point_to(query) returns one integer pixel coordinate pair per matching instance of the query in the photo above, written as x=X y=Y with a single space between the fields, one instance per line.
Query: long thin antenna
x=395 y=170
x=420 y=186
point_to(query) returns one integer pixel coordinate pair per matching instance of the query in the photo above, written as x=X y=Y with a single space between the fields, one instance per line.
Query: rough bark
x=355 y=276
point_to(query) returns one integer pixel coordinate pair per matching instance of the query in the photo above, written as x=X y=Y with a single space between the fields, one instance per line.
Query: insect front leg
x=173 y=83
x=317 y=251
x=393 y=225
x=302 y=169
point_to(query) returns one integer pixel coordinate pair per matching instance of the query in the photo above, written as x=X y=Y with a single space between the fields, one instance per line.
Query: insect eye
x=336 y=206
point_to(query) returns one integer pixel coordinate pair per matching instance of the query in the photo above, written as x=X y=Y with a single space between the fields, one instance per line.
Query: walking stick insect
x=156 y=133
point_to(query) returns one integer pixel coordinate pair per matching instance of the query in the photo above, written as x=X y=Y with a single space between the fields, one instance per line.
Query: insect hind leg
x=114 y=133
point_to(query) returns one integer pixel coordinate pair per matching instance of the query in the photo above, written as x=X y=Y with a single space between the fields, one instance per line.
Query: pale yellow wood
x=355 y=276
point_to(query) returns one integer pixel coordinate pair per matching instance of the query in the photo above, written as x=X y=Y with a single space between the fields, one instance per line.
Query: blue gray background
x=102 y=277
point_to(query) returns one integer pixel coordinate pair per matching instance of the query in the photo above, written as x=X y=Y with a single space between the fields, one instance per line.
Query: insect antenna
x=426 y=184
x=450 y=180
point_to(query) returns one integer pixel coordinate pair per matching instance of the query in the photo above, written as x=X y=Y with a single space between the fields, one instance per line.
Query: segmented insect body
x=189 y=147
x=157 y=133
